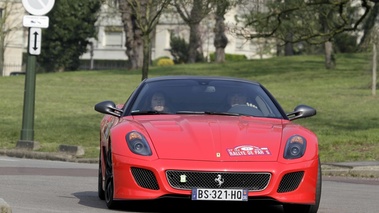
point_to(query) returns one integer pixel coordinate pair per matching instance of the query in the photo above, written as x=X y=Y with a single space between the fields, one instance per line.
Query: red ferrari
x=209 y=139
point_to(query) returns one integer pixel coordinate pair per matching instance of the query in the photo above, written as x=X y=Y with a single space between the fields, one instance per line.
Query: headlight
x=295 y=147
x=138 y=144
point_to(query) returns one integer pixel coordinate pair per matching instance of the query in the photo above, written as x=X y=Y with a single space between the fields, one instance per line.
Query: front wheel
x=109 y=184
x=111 y=203
x=290 y=208
x=100 y=190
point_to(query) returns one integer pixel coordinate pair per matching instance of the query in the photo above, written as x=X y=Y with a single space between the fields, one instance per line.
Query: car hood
x=214 y=138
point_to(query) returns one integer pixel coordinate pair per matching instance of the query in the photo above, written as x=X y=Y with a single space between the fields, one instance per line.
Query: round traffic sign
x=38 y=7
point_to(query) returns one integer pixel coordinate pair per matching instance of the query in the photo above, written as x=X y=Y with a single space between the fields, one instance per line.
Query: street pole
x=27 y=132
x=35 y=21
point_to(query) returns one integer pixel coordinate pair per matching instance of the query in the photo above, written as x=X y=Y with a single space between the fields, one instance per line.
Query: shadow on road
x=168 y=205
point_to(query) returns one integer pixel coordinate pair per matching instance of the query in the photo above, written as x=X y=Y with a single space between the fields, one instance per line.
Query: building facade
x=111 y=37
x=13 y=42
x=110 y=42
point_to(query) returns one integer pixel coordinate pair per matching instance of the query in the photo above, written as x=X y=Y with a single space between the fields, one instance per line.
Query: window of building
x=114 y=36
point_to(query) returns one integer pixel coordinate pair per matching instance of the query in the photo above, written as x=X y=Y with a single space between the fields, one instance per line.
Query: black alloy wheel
x=290 y=208
x=100 y=190
x=109 y=184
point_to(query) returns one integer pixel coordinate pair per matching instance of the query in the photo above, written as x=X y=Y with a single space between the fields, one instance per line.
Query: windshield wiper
x=149 y=112
x=207 y=113
x=222 y=113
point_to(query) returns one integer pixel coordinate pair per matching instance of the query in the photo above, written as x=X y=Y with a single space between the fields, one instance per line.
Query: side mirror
x=108 y=107
x=301 y=111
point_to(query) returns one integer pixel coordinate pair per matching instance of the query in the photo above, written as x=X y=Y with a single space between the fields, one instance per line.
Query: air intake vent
x=145 y=178
x=290 y=181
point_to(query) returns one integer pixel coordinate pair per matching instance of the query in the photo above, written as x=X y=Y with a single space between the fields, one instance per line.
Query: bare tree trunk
x=140 y=18
x=288 y=47
x=1 y=58
x=146 y=56
x=138 y=46
x=330 y=61
x=369 y=24
x=374 y=59
x=194 y=50
x=199 y=10
x=2 y=51
x=220 y=40
x=133 y=40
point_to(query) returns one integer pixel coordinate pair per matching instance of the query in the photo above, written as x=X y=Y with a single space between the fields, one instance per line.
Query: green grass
x=347 y=120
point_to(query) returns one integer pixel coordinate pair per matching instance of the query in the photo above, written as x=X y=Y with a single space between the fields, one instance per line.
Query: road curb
x=4 y=207
x=57 y=156
x=350 y=171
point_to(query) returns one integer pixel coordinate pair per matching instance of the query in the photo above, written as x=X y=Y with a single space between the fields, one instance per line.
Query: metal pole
x=27 y=132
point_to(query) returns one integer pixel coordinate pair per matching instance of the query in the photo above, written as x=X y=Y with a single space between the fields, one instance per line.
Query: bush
x=155 y=61
x=165 y=62
x=235 y=57
x=179 y=50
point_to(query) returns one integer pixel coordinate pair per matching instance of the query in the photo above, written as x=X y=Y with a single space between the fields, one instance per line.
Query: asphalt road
x=42 y=186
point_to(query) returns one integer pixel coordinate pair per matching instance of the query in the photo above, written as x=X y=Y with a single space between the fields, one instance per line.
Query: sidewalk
x=366 y=169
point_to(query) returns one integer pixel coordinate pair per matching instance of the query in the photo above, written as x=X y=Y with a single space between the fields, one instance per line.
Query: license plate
x=220 y=194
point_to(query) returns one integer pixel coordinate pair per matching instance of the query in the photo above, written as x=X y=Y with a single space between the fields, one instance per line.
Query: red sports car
x=210 y=139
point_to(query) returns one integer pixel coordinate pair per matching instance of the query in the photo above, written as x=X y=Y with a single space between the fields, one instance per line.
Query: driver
x=158 y=102
x=237 y=99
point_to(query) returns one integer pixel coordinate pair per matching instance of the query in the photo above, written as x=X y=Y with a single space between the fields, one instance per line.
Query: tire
x=100 y=190
x=109 y=189
x=108 y=163
x=290 y=208
x=109 y=185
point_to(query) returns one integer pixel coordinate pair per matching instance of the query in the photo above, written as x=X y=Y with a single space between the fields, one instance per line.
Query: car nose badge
x=219 y=180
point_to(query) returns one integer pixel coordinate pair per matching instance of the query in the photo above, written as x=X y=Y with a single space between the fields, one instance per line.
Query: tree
x=8 y=25
x=140 y=18
x=71 y=25
x=199 y=9
x=304 y=13
x=313 y=22
x=325 y=16
x=133 y=35
x=371 y=43
x=369 y=24
x=220 y=40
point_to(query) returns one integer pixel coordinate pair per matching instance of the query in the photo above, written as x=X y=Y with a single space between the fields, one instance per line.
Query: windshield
x=195 y=96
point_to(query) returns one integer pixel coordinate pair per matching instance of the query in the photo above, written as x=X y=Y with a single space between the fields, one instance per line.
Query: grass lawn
x=347 y=120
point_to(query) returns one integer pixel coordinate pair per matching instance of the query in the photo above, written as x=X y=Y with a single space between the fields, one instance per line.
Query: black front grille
x=290 y=181
x=145 y=178
x=222 y=180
